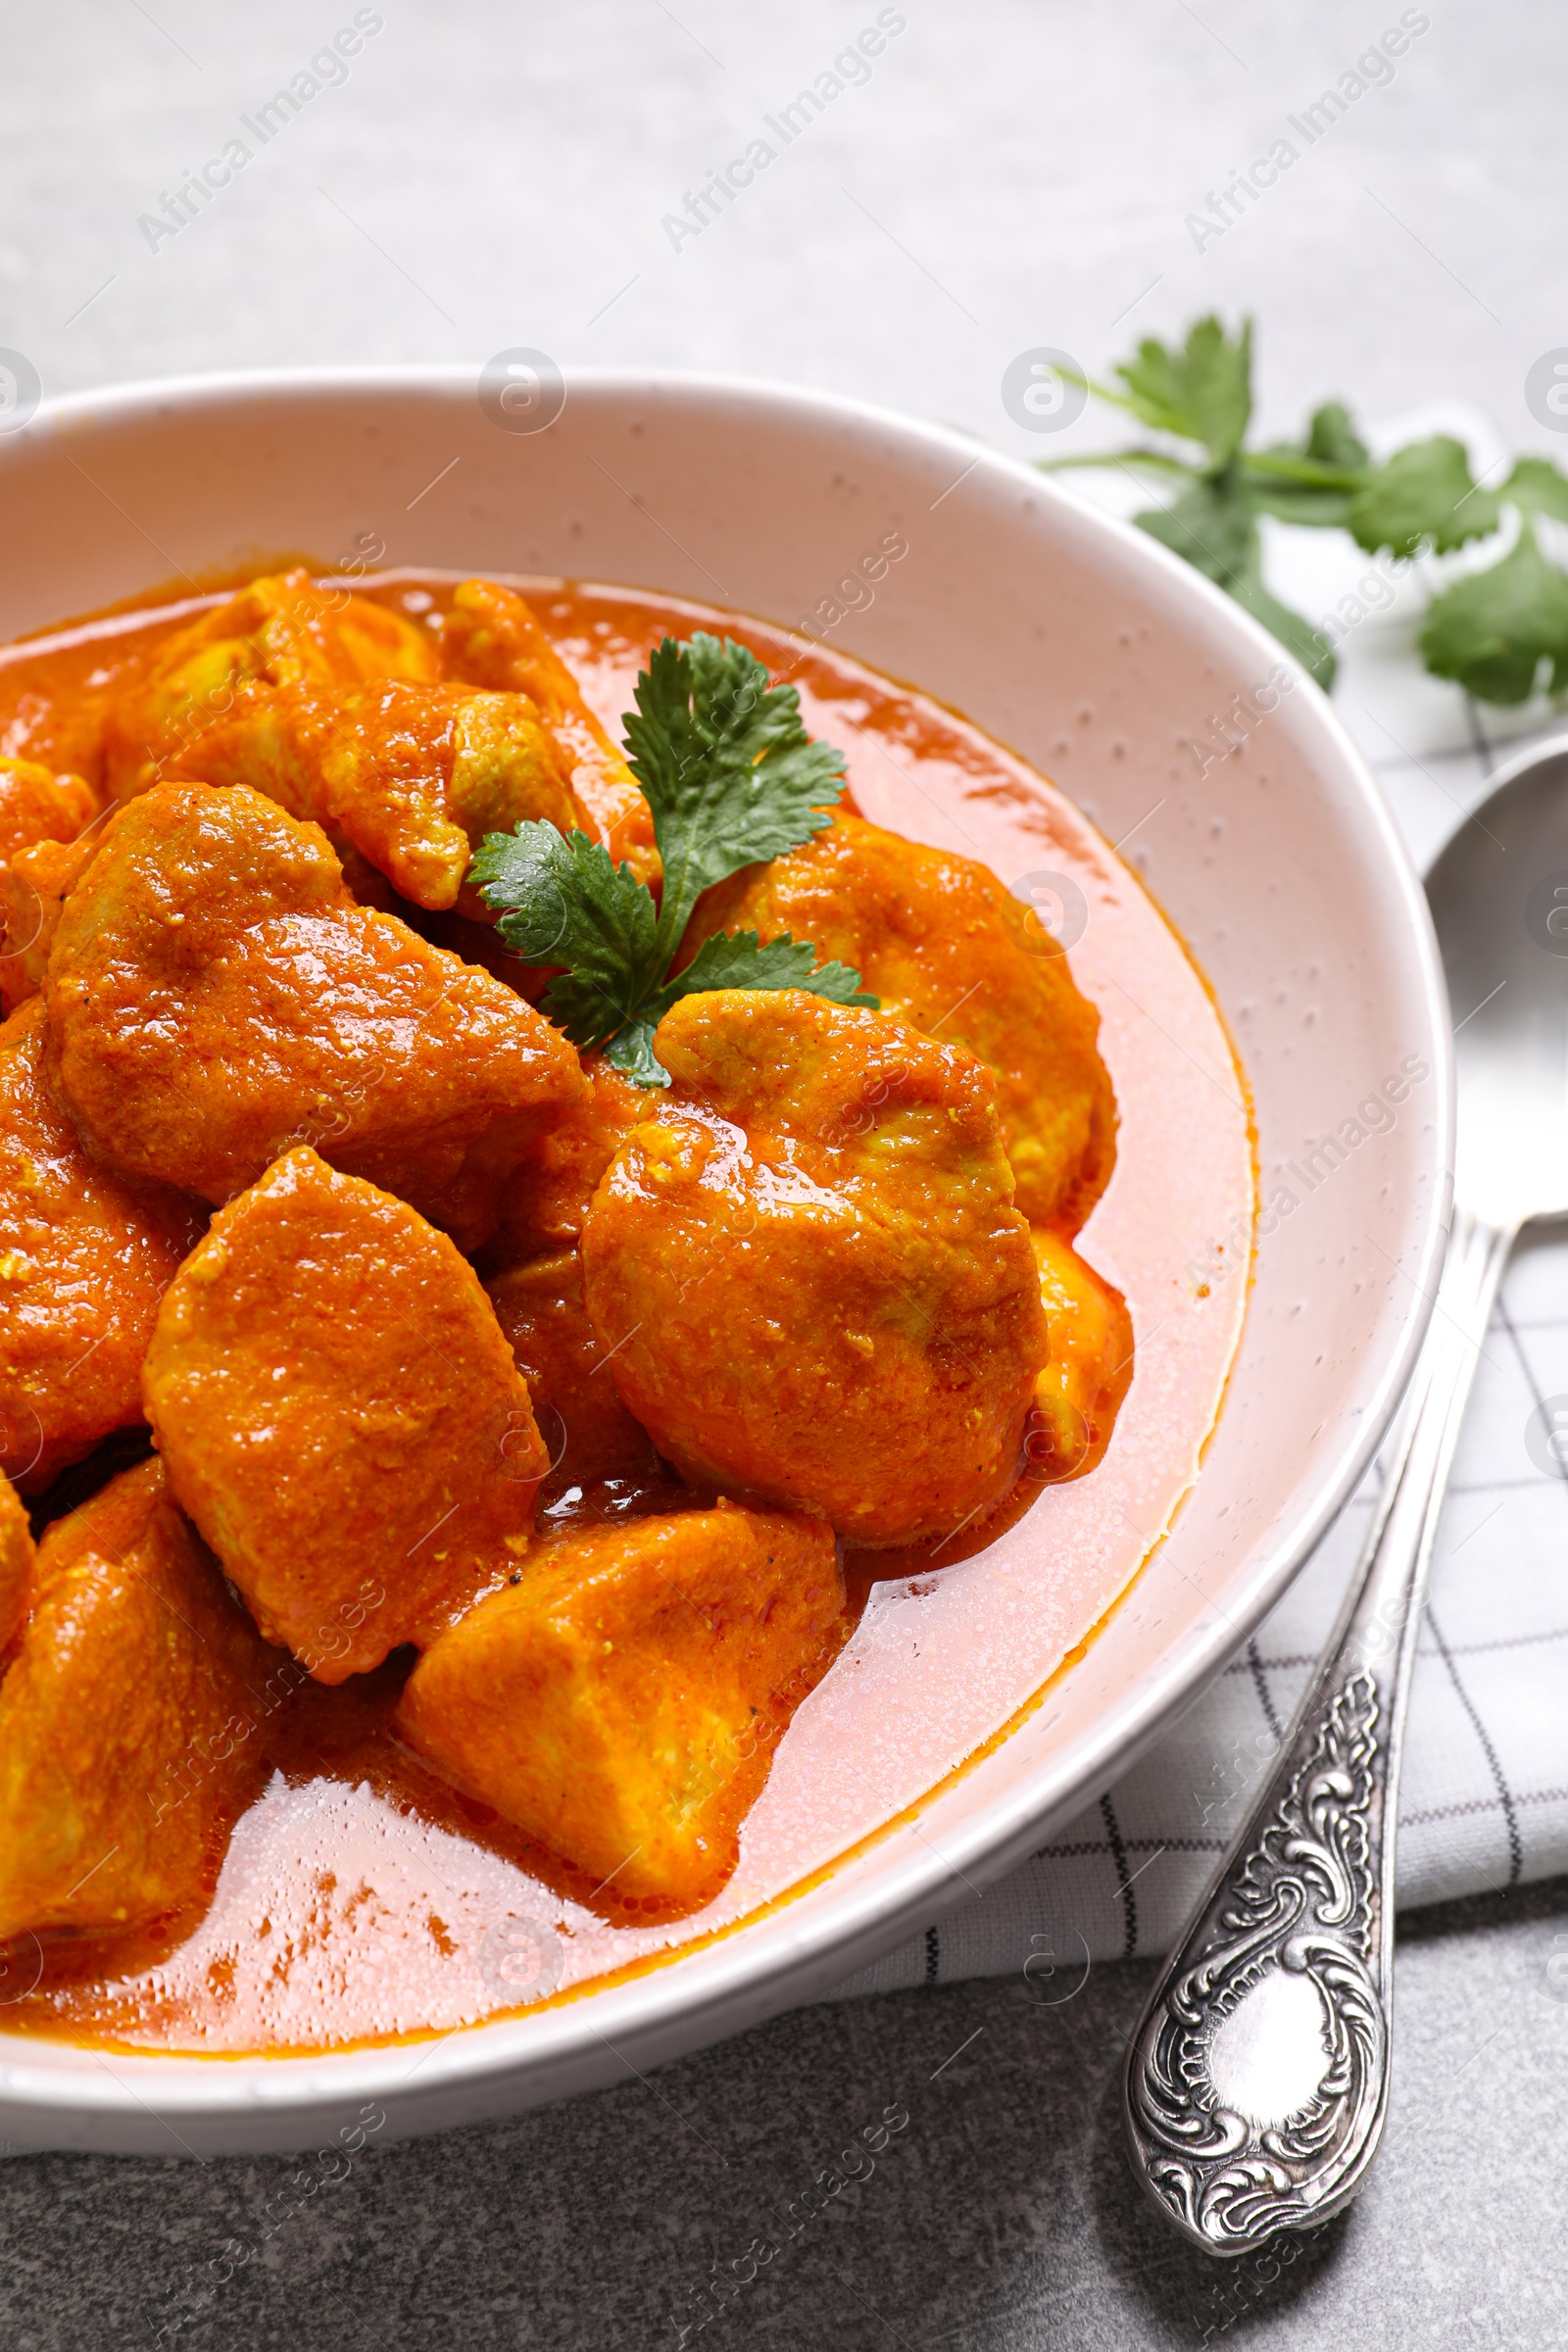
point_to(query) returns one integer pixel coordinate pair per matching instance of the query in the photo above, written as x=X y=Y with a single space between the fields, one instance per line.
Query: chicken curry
x=508 y=1230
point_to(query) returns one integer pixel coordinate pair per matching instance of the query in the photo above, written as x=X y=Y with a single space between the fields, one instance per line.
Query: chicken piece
x=1090 y=1368
x=490 y=637
x=586 y=1428
x=338 y=1412
x=548 y=1204
x=16 y=1562
x=127 y=1720
x=412 y=777
x=808 y=1270
x=37 y=805
x=941 y=945
x=216 y=996
x=84 y=1259
x=34 y=888
x=621 y=1703
x=44 y=836
x=279 y=631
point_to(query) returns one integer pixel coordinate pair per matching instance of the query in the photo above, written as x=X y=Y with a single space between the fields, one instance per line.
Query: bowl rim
x=741 y=1977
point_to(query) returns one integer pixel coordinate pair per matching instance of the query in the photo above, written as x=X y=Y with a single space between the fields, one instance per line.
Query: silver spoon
x=1257 y=2080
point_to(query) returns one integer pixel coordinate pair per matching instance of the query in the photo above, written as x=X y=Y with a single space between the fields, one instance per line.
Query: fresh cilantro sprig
x=732 y=779
x=1492 y=632
x=726 y=767
x=1201 y=393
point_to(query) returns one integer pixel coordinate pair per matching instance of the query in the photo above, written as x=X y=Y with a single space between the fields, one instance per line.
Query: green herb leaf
x=1492 y=632
x=1318 y=509
x=1210 y=526
x=1333 y=440
x=562 y=901
x=1310 y=482
x=1537 y=486
x=1202 y=392
x=1422 y=495
x=727 y=767
x=631 y=1052
x=739 y=959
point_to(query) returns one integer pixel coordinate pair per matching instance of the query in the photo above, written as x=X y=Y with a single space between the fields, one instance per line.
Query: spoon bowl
x=1499 y=894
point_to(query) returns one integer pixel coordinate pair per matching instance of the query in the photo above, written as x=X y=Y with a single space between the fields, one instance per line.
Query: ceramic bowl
x=1097 y=654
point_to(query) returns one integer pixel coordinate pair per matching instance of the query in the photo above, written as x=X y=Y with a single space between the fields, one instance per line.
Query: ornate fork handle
x=1257 y=2080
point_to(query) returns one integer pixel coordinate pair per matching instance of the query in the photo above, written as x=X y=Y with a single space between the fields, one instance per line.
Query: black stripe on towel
x=1124 y=1886
x=1516 y=1844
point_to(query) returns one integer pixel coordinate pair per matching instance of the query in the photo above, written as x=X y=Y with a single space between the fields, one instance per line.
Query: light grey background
x=1011 y=175
x=1014 y=173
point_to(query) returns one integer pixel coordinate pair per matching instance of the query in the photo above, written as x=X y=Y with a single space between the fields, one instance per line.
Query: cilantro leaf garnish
x=732 y=779
x=740 y=959
x=1209 y=528
x=1310 y=482
x=1333 y=440
x=1202 y=392
x=1536 y=486
x=1492 y=632
x=726 y=767
x=567 y=902
x=1423 y=495
x=1497 y=633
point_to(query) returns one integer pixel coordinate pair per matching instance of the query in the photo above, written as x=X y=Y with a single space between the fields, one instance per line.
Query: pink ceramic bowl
x=1108 y=665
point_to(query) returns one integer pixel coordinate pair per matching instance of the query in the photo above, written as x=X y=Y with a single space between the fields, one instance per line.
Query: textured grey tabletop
x=1005 y=174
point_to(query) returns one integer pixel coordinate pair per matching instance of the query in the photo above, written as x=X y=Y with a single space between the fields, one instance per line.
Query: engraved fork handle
x=1257 y=2078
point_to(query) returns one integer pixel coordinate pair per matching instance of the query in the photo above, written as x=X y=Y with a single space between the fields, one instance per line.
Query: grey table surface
x=1009 y=173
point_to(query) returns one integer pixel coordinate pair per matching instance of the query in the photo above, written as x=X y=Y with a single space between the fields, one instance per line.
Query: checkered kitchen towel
x=1485 y=1797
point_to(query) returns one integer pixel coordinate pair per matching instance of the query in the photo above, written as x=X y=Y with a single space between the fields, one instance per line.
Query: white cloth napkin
x=1484 y=1799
